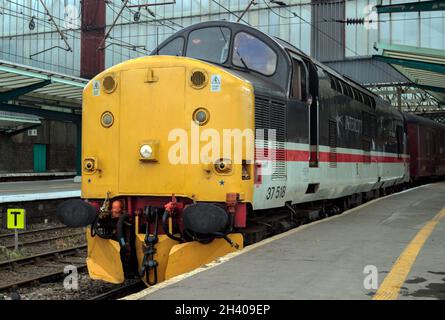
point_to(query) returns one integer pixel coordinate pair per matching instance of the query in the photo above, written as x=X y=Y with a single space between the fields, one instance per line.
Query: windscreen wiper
x=236 y=50
x=242 y=60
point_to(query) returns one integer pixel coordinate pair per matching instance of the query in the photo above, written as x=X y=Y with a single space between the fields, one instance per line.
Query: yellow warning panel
x=104 y=261
x=188 y=256
x=16 y=218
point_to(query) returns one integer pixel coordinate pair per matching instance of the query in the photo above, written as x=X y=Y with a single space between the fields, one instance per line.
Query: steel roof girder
x=437 y=68
x=48 y=114
x=436 y=5
x=15 y=93
x=41 y=76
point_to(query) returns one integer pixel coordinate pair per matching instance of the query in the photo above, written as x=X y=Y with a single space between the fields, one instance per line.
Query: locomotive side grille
x=332 y=144
x=262 y=120
x=271 y=114
x=278 y=122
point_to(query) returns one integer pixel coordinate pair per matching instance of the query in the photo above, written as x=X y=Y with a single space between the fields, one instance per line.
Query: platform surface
x=38 y=190
x=327 y=259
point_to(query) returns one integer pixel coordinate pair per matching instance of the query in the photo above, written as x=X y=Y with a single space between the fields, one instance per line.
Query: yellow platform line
x=390 y=288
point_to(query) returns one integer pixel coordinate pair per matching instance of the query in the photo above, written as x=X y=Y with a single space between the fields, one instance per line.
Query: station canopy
x=424 y=67
x=28 y=94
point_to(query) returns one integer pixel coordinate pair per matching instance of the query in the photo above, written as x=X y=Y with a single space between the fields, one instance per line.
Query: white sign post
x=16 y=220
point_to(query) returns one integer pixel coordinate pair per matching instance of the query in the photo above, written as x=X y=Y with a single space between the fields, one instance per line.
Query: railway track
x=40 y=267
x=10 y=243
x=30 y=232
x=40 y=275
x=120 y=292
x=33 y=242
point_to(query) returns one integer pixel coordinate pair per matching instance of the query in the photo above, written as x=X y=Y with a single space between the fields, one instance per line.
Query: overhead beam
x=433 y=67
x=429 y=88
x=15 y=93
x=427 y=53
x=47 y=114
x=437 y=5
x=18 y=131
x=39 y=75
x=145 y=5
x=105 y=37
x=413 y=88
x=252 y=2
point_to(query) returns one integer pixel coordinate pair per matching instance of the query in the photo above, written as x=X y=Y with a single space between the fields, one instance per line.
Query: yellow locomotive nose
x=151 y=118
x=146 y=123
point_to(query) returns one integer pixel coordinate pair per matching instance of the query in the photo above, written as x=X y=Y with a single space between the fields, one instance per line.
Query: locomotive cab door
x=305 y=88
x=313 y=113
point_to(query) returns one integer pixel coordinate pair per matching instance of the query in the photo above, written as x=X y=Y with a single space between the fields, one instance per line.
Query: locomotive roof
x=276 y=42
x=283 y=46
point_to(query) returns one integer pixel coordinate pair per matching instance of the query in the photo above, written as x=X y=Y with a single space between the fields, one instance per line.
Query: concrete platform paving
x=327 y=259
x=38 y=190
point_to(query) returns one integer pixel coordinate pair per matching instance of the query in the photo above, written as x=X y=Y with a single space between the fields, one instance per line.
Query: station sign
x=16 y=218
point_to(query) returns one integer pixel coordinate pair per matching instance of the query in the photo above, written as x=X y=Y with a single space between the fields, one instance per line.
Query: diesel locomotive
x=223 y=125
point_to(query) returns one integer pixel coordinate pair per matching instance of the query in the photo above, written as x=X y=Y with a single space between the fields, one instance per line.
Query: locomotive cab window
x=209 y=44
x=173 y=48
x=251 y=52
x=299 y=80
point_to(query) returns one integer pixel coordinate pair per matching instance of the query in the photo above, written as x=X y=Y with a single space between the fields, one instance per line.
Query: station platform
x=38 y=190
x=31 y=176
x=388 y=248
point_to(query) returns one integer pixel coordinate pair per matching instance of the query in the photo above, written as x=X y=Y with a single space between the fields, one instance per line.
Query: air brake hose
x=94 y=232
x=225 y=236
x=165 y=217
x=148 y=261
x=93 y=227
x=120 y=229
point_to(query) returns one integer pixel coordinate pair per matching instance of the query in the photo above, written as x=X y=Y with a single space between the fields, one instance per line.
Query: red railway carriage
x=426 y=147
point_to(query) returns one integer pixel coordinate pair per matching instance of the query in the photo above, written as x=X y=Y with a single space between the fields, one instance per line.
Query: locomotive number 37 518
x=275 y=192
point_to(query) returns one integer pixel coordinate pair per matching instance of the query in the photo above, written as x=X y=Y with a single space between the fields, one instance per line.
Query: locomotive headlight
x=201 y=116
x=146 y=151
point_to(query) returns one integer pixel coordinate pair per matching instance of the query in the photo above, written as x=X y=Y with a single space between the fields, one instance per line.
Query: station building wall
x=56 y=139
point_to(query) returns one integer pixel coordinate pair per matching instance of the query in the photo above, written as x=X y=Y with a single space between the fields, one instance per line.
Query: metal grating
x=271 y=115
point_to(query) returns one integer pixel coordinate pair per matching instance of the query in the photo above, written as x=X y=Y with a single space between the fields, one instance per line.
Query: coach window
x=173 y=48
x=252 y=53
x=209 y=44
x=359 y=96
x=338 y=86
x=367 y=101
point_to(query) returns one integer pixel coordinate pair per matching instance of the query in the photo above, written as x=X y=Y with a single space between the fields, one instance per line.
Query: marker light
x=146 y=151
